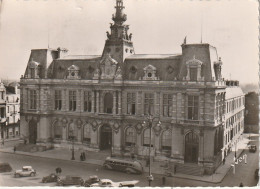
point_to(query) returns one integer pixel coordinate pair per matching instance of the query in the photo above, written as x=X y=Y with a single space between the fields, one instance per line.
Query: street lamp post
x=72 y=150
x=150 y=120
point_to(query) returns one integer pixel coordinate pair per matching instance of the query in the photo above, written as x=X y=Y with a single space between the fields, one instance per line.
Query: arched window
x=146 y=137
x=166 y=140
x=87 y=133
x=57 y=130
x=72 y=131
x=130 y=136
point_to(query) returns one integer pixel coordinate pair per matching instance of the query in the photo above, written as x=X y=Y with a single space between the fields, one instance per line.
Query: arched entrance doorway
x=191 y=147
x=105 y=137
x=108 y=103
x=32 y=131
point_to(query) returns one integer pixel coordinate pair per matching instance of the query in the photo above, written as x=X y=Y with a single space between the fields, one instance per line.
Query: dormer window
x=194 y=70
x=34 y=69
x=73 y=72
x=150 y=73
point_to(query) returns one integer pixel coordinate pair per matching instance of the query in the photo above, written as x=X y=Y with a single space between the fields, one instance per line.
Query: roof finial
x=185 y=40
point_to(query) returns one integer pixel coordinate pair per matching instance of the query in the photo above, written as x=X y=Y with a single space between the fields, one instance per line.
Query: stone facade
x=103 y=101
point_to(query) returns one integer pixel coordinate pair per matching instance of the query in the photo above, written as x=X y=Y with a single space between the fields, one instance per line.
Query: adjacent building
x=100 y=102
x=10 y=110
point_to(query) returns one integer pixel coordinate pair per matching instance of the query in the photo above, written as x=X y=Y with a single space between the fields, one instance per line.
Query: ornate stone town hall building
x=101 y=102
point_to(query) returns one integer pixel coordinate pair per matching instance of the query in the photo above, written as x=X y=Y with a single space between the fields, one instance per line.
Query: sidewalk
x=98 y=158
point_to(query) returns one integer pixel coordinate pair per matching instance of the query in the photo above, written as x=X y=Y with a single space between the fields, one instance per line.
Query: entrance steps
x=189 y=169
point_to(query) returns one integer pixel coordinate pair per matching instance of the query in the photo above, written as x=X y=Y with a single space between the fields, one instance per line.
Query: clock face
x=72 y=73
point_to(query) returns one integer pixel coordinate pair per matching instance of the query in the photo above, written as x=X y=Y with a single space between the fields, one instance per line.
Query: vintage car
x=92 y=179
x=50 y=178
x=25 y=172
x=252 y=148
x=70 y=180
x=5 y=167
x=110 y=183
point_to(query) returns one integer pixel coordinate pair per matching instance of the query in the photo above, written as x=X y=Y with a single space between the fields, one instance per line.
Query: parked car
x=5 y=167
x=70 y=180
x=110 y=183
x=92 y=179
x=257 y=174
x=252 y=148
x=25 y=172
x=50 y=178
x=128 y=166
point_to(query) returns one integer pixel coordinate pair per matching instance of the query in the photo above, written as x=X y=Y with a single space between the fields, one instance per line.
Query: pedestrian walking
x=163 y=180
x=14 y=149
x=58 y=170
x=174 y=169
x=81 y=157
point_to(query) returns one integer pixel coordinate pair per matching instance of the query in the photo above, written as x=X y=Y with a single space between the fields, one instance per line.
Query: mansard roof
x=87 y=65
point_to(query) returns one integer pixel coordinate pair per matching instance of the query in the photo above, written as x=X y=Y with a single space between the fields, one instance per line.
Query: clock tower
x=118 y=44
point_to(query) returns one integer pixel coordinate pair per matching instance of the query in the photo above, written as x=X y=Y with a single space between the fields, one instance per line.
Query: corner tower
x=118 y=44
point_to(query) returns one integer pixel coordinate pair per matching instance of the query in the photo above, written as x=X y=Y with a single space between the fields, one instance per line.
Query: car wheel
x=32 y=174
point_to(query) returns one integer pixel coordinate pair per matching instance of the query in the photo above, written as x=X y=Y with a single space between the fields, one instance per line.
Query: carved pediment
x=108 y=67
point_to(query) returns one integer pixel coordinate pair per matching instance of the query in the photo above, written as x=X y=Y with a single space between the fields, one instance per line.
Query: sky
x=158 y=27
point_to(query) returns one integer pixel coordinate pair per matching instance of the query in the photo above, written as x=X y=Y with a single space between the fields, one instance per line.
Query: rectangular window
x=131 y=99
x=58 y=100
x=167 y=105
x=193 y=74
x=149 y=104
x=87 y=101
x=32 y=99
x=193 y=107
x=72 y=101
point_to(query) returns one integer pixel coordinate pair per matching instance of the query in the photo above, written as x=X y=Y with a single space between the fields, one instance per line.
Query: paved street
x=44 y=166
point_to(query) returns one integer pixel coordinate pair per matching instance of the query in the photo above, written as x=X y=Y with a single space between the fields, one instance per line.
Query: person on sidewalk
x=14 y=149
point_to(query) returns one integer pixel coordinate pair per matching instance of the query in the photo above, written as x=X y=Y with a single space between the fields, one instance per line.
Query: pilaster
x=114 y=103
x=93 y=101
x=119 y=103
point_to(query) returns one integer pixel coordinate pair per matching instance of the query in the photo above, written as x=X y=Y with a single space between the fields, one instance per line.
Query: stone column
x=179 y=107
x=114 y=103
x=119 y=103
x=79 y=100
x=93 y=101
x=174 y=107
x=97 y=100
x=139 y=103
x=64 y=132
x=116 y=141
x=157 y=104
